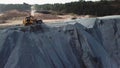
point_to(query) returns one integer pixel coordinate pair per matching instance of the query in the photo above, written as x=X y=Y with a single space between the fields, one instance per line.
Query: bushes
x=20 y=7
x=81 y=7
x=84 y=8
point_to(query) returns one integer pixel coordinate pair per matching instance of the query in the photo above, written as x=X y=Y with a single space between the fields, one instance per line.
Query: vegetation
x=81 y=7
x=20 y=7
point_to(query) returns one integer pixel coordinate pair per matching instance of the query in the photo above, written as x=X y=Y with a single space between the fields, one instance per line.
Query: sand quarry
x=79 y=43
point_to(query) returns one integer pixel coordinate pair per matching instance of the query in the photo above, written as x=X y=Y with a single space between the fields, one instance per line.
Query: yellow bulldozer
x=33 y=23
x=30 y=20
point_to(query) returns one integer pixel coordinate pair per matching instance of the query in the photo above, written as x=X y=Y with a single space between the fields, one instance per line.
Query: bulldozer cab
x=29 y=20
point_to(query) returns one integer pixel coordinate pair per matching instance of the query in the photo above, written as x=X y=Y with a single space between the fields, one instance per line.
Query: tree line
x=100 y=8
x=20 y=7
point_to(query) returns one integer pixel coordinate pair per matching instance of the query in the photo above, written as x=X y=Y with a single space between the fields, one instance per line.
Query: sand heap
x=82 y=43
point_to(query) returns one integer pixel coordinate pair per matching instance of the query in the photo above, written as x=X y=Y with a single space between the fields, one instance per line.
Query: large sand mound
x=82 y=43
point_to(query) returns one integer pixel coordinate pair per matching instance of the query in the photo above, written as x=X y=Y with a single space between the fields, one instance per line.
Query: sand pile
x=81 y=43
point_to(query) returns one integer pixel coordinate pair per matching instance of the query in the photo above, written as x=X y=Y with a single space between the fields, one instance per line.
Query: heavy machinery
x=32 y=23
x=30 y=20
